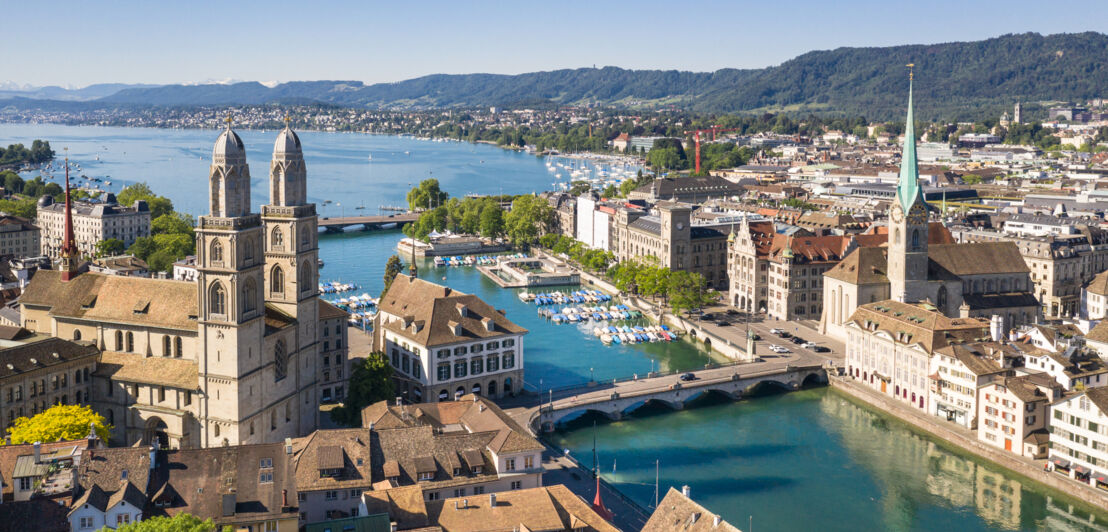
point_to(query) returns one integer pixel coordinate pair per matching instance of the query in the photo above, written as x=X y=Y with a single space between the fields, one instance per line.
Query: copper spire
x=69 y=244
x=598 y=504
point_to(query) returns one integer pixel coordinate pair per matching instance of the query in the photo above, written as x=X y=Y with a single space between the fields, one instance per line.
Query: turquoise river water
x=808 y=460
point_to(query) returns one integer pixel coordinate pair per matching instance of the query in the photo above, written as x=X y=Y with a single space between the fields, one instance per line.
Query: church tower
x=908 y=222
x=231 y=309
x=292 y=254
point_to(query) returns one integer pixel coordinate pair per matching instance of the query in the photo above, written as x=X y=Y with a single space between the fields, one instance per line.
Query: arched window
x=304 y=237
x=248 y=252
x=280 y=361
x=277 y=239
x=215 y=429
x=178 y=347
x=941 y=299
x=249 y=296
x=277 y=280
x=915 y=239
x=118 y=340
x=217 y=299
x=217 y=251
x=305 y=277
x=896 y=236
x=166 y=346
x=130 y=342
x=76 y=334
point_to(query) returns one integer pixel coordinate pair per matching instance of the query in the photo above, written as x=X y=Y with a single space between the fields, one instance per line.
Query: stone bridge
x=616 y=400
x=338 y=223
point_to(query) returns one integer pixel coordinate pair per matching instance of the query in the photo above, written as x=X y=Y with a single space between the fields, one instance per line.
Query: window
x=86 y=522
x=478 y=490
x=161 y=394
x=277 y=238
x=509 y=360
x=509 y=342
x=460 y=492
x=528 y=462
x=280 y=361
x=331 y=495
x=265 y=463
x=122 y=519
x=461 y=350
x=166 y=346
x=277 y=280
x=217 y=251
x=493 y=345
x=130 y=342
x=492 y=363
x=25 y=483
x=459 y=369
x=427 y=475
x=444 y=372
x=433 y=496
x=249 y=296
x=305 y=277
x=217 y=299
x=76 y=334
x=517 y=484
x=442 y=353
x=476 y=366
x=510 y=464
x=178 y=346
x=265 y=478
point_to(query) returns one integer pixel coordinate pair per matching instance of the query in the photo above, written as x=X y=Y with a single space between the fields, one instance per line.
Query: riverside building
x=92 y=223
x=444 y=344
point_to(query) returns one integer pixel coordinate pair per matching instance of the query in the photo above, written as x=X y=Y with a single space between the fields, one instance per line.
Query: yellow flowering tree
x=59 y=422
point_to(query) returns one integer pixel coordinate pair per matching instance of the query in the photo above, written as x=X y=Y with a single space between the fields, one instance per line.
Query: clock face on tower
x=918 y=214
x=896 y=215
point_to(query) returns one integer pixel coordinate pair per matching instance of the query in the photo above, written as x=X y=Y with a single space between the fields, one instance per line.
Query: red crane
x=696 y=139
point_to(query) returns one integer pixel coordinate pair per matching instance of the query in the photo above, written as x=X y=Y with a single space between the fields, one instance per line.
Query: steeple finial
x=287 y=120
x=228 y=120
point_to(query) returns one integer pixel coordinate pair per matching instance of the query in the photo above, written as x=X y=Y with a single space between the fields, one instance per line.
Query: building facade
x=92 y=223
x=19 y=237
x=39 y=374
x=1079 y=437
x=674 y=242
x=1014 y=413
x=444 y=344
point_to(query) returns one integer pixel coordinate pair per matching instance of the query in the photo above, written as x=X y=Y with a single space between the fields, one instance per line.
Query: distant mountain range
x=959 y=80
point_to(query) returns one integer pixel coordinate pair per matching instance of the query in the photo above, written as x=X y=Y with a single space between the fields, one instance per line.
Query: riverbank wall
x=960 y=439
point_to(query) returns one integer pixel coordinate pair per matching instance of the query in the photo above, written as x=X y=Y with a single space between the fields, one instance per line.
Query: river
x=808 y=460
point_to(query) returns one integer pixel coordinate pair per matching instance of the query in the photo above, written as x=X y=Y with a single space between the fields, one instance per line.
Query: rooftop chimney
x=685 y=490
x=38 y=451
x=492 y=500
x=996 y=328
x=153 y=453
x=285 y=499
x=716 y=520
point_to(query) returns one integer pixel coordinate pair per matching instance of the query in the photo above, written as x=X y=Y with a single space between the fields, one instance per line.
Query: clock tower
x=908 y=223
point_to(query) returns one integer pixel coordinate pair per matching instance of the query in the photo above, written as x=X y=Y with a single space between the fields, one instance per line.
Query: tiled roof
x=419 y=449
x=547 y=508
x=649 y=224
x=404 y=505
x=438 y=309
x=9 y=455
x=47 y=516
x=913 y=324
x=974 y=357
x=345 y=449
x=161 y=371
x=44 y=353
x=866 y=265
x=678 y=512
x=978 y=258
x=329 y=311
x=1098 y=333
x=115 y=299
x=276 y=319
x=1099 y=284
x=475 y=413
x=105 y=468
x=1099 y=397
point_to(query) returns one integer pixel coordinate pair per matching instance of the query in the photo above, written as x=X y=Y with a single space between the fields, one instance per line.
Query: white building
x=1079 y=437
x=92 y=223
x=1013 y=413
x=444 y=344
x=957 y=372
x=19 y=237
x=1094 y=298
x=593 y=223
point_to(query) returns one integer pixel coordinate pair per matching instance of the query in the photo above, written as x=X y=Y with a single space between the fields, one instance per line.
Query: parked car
x=798 y=340
x=781 y=332
x=820 y=348
x=688 y=377
x=779 y=349
x=724 y=323
x=756 y=337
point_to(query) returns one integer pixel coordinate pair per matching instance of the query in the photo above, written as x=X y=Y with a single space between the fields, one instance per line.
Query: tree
x=181 y=522
x=688 y=291
x=109 y=247
x=159 y=205
x=392 y=268
x=492 y=221
x=530 y=217
x=426 y=195
x=59 y=422
x=172 y=223
x=370 y=382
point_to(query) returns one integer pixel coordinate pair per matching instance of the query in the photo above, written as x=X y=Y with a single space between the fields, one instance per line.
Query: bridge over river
x=339 y=223
x=614 y=400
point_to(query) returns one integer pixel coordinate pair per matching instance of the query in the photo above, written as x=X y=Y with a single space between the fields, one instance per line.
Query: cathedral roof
x=979 y=258
x=116 y=299
x=287 y=142
x=864 y=266
x=160 y=371
x=228 y=146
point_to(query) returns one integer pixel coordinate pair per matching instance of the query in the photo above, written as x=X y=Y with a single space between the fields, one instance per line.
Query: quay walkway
x=339 y=223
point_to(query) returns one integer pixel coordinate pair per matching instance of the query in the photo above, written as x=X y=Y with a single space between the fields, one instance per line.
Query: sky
x=75 y=43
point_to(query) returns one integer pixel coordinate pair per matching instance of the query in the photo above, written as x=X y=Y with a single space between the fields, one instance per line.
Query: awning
x=1059 y=461
x=1101 y=477
x=1082 y=470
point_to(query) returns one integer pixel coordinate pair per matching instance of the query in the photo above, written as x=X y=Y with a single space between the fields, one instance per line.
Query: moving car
x=688 y=377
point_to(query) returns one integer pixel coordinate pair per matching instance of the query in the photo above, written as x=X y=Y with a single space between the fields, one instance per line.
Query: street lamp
x=591 y=375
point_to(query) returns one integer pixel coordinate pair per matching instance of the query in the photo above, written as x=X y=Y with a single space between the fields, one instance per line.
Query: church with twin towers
x=235 y=357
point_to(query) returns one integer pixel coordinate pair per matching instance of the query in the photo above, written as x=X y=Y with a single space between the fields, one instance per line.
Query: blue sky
x=78 y=43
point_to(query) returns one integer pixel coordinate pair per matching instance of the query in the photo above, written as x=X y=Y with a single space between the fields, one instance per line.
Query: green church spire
x=907 y=189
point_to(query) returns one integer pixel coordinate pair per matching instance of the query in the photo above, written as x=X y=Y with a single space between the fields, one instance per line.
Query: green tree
x=59 y=422
x=172 y=223
x=181 y=522
x=27 y=208
x=159 y=205
x=688 y=291
x=530 y=217
x=492 y=221
x=426 y=195
x=392 y=268
x=12 y=182
x=370 y=382
x=109 y=247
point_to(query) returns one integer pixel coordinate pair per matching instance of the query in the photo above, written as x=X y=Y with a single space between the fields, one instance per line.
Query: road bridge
x=337 y=224
x=621 y=398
